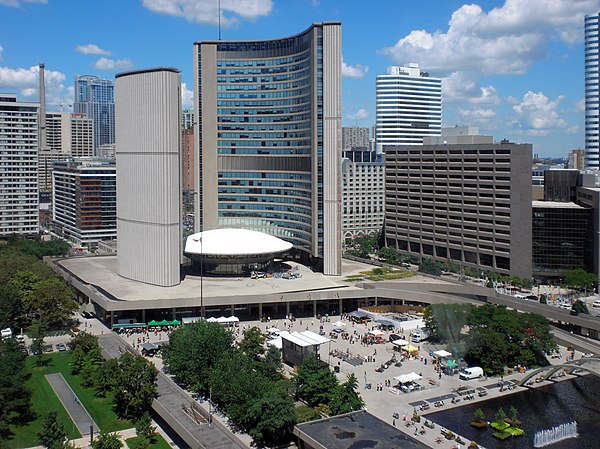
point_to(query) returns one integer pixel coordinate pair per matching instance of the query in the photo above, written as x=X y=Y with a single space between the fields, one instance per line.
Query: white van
x=596 y=304
x=474 y=372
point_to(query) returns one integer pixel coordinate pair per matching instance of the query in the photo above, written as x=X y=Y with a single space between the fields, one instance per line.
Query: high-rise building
x=18 y=166
x=94 y=97
x=576 y=159
x=148 y=147
x=67 y=135
x=592 y=92
x=187 y=119
x=363 y=181
x=268 y=136
x=469 y=203
x=354 y=137
x=409 y=106
x=187 y=158
x=84 y=200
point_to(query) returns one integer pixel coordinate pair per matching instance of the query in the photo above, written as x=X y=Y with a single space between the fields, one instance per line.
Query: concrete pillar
x=314 y=307
x=173 y=311
x=287 y=308
x=232 y=309
x=260 y=312
x=112 y=318
x=340 y=305
x=143 y=315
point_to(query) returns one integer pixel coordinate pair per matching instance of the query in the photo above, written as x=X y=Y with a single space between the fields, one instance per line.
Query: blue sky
x=512 y=67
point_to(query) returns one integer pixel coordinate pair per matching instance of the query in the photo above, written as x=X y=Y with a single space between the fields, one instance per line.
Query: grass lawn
x=380 y=274
x=159 y=442
x=44 y=399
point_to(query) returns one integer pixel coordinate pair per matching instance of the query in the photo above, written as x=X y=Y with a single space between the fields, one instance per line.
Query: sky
x=513 y=68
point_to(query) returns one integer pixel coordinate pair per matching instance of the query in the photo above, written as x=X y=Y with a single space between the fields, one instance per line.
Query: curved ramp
x=590 y=365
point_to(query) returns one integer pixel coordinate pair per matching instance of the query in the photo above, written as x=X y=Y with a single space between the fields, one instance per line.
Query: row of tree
x=130 y=378
x=15 y=397
x=491 y=336
x=246 y=382
x=29 y=290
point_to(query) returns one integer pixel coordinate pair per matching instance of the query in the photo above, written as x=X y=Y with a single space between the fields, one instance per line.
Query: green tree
x=134 y=386
x=478 y=415
x=274 y=417
x=85 y=341
x=304 y=413
x=104 y=380
x=314 y=383
x=38 y=332
x=500 y=415
x=194 y=349
x=15 y=397
x=579 y=279
x=389 y=255
x=106 y=440
x=346 y=397
x=446 y=321
x=53 y=299
x=144 y=427
x=92 y=362
x=252 y=343
x=52 y=435
x=11 y=309
x=271 y=364
x=430 y=266
x=77 y=360
x=580 y=307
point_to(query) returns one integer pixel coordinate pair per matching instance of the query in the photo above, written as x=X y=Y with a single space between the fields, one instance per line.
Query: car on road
x=61 y=347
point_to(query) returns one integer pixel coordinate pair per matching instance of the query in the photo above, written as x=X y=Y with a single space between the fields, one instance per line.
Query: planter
x=479 y=424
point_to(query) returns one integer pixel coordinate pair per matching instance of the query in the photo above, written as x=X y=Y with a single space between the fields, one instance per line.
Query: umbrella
x=153 y=323
x=410 y=348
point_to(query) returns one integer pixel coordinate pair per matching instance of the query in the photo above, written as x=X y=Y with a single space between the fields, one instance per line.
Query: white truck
x=474 y=372
x=420 y=334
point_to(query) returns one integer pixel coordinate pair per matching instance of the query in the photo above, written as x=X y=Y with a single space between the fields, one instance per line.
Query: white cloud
x=112 y=64
x=361 y=114
x=187 y=96
x=17 y=3
x=207 y=11
x=507 y=40
x=537 y=115
x=460 y=88
x=572 y=129
x=92 y=49
x=26 y=82
x=580 y=105
x=356 y=71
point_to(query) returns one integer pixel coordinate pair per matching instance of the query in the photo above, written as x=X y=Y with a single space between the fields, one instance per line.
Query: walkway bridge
x=589 y=365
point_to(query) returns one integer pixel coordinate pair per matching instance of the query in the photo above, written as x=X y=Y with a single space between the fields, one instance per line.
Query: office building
x=363 y=196
x=268 y=136
x=354 y=136
x=467 y=203
x=67 y=135
x=84 y=200
x=409 y=107
x=187 y=119
x=94 y=97
x=18 y=166
x=187 y=161
x=576 y=160
x=592 y=92
x=148 y=117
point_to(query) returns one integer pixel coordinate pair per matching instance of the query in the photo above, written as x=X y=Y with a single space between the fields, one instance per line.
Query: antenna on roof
x=219 y=19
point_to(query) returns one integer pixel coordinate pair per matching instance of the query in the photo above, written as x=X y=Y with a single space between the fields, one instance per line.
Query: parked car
x=61 y=347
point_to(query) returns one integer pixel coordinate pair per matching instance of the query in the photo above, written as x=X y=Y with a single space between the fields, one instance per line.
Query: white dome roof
x=227 y=242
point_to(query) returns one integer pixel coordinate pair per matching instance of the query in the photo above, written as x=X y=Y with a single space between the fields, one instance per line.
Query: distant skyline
x=514 y=68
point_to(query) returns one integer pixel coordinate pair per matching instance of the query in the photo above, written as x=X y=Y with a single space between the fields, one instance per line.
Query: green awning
x=153 y=323
x=163 y=323
x=451 y=364
x=128 y=326
x=175 y=323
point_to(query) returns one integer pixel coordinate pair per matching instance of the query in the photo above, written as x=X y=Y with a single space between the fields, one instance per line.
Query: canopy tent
x=277 y=342
x=376 y=333
x=212 y=320
x=451 y=364
x=175 y=323
x=442 y=353
x=273 y=330
x=359 y=314
x=338 y=323
x=233 y=319
x=400 y=342
x=410 y=377
x=163 y=323
x=385 y=322
x=410 y=348
x=153 y=323
x=128 y=325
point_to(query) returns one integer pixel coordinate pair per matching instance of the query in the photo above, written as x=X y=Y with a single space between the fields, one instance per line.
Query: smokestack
x=43 y=141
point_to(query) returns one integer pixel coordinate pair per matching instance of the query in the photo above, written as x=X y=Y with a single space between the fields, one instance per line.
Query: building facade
x=84 y=200
x=467 y=203
x=187 y=160
x=363 y=181
x=148 y=159
x=19 y=146
x=268 y=139
x=354 y=136
x=94 y=97
x=592 y=92
x=409 y=106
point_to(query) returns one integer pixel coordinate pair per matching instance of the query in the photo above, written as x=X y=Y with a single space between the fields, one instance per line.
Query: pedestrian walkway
x=79 y=415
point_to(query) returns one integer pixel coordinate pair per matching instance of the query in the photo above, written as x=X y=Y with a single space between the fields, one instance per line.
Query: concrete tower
x=148 y=153
x=592 y=92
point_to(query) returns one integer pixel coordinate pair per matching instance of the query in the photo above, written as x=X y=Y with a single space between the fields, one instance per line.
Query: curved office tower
x=268 y=121
x=148 y=116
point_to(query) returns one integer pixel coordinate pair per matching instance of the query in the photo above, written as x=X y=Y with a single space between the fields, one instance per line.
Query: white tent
x=376 y=333
x=442 y=353
x=338 y=323
x=212 y=320
x=410 y=377
x=400 y=342
x=273 y=330
x=232 y=319
x=221 y=319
